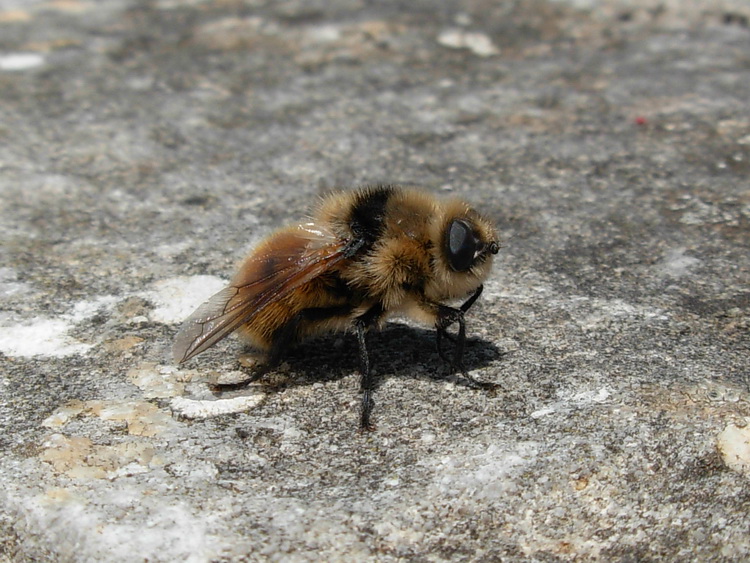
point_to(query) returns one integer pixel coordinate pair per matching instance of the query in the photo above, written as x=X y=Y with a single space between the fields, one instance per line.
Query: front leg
x=470 y=301
x=464 y=307
x=446 y=316
x=443 y=332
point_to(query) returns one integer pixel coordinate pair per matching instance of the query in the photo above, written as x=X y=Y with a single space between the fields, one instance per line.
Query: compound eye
x=461 y=245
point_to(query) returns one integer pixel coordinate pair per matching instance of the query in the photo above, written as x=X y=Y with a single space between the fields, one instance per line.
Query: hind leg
x=286 y=336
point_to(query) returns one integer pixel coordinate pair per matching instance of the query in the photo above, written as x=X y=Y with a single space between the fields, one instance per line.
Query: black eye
x=461 y=245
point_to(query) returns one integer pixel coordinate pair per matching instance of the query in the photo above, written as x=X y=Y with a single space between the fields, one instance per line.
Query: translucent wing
x=279 y=266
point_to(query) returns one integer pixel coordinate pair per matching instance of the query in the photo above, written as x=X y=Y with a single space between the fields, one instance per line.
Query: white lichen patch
x=539 y=413
x=466 y=481
x=20 y=61
x=593 y=315
x=676 y=264
x=326 y=33
x=486 y=475
x=571 y=401
x=585 y=398
x=194 y=470
x=164 y=382
x=193 y=409
x=9 y=284
x=49 y=337
x=40 y=337
x=83 y=310
x=734 y=444
x=176 y=298
x=478 y=43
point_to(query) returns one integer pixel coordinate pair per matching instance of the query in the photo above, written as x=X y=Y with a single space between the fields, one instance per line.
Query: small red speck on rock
x=640 y=120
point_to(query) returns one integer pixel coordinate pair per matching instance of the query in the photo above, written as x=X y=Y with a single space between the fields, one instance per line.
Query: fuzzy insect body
x=364 y=256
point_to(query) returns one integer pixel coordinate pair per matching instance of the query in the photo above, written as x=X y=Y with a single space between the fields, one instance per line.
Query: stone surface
x=146 y=146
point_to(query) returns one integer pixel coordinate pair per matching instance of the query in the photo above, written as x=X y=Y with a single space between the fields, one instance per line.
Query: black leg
x=440 y=334
x=446 y=316
x=361 y=324
x=470 y=301
x=464 y=307
x=367 y=383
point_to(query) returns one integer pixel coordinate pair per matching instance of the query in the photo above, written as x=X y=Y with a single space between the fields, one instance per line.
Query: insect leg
x=282 y=338
x=464 y=307
x=367 y=382
x=361 y=324
x=288 y=335
x=446 y=316
x=470 y=301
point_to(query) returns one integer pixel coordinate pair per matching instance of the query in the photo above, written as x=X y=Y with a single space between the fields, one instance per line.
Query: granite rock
x=146 y=146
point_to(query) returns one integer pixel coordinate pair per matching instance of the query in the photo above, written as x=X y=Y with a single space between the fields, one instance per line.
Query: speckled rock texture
x=146 y=146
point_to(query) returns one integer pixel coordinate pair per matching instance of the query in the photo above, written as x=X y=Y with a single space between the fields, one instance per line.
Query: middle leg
x=361 y=324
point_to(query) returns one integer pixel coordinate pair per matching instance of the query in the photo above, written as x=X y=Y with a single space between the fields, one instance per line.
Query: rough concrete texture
x=147 y=145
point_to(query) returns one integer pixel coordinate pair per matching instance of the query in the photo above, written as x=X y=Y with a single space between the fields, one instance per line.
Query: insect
x=365 y=255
